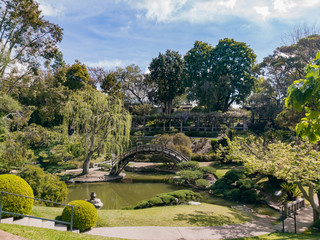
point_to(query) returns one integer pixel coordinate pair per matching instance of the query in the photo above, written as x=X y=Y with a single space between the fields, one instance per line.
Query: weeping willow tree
x=100 y=121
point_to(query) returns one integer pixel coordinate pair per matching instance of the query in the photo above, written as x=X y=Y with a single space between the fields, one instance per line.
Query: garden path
x=257 y=227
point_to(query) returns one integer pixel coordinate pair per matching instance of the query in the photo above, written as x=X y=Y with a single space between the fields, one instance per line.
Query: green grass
x=34 y=233
x=285 y=236
x=181 y=215
x=221 y=169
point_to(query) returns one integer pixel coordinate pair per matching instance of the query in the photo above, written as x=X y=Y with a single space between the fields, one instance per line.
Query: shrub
x=202 y=157
x=190 y=165
x=45 y=185
x=14 y=184
x=208 y=170
x=190 y=176
x=234 y=175
x=237 y=186
x=85 y=214
x=202 y=183
x=142 y=204
x=169 y=199
x=155 y=201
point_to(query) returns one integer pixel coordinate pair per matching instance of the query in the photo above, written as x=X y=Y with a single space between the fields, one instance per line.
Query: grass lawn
x=285 y=236
x=181 y=215
x=48 y=234
x=221 y=169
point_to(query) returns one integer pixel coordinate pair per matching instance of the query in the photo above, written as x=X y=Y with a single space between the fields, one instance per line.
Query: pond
x=116 y=195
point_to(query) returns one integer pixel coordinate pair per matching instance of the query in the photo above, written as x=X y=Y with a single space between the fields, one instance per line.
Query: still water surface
x=118 y=195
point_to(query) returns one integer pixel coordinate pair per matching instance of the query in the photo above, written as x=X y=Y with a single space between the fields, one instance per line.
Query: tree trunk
x=86 y=164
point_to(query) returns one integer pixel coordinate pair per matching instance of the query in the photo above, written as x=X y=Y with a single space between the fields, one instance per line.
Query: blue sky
x=110 y=33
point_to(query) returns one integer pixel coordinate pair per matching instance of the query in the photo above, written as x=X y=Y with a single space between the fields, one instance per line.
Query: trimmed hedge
x=14 y=184
x=171 y=198
x=85 y=214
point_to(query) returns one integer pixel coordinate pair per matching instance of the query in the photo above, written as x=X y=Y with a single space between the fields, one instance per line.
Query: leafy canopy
x=304 y=94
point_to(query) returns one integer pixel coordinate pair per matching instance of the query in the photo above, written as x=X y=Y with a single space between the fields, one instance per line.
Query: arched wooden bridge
x=124 y=159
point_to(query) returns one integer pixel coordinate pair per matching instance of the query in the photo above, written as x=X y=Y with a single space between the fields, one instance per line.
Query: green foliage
x=190 y=165
x=85 y=214
x=14 y=154
x=236 y=185
x=202 y=157
x=178 y=141
x=45 y=185
x=9 y=108
x=316 y=225
x=304 y=95
x=166 y=73
x=111 y=86
x=291 y=191
x=292 y=162
x=190 y=176
x=15 y=204
x=164 y=199
x=218 y=76
x=27 y=39
x=201 y=183
x=101 y=123
x=77 y=76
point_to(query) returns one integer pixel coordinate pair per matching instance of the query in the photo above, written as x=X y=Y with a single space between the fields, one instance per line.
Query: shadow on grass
x=204 y=219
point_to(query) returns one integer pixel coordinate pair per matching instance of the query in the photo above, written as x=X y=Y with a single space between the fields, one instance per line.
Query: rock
x=193 y=203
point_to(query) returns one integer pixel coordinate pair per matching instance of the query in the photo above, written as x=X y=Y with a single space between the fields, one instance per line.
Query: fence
x=37 y=199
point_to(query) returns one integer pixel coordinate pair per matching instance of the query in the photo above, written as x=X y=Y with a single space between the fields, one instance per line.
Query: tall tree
x=134 y=84
x=287 y=64
x=26 y=39
x=231 y=65
x=101 y=122
x=220 y=76
x=196 y=68
x=166 y=72
x=77 y=76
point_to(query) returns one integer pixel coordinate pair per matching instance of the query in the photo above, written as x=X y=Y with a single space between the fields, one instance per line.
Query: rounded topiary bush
x=15 y=204
x=85 y=214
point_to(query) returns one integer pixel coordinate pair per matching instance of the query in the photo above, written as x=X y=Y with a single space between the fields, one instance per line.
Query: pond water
x=116 y=195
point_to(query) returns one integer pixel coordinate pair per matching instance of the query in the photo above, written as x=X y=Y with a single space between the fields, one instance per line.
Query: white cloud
x=263 y=11
x=228 y=4
x=48 y=10
x=283 y=5
x=108 y=64
x=162 y=11
x=203 y=11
